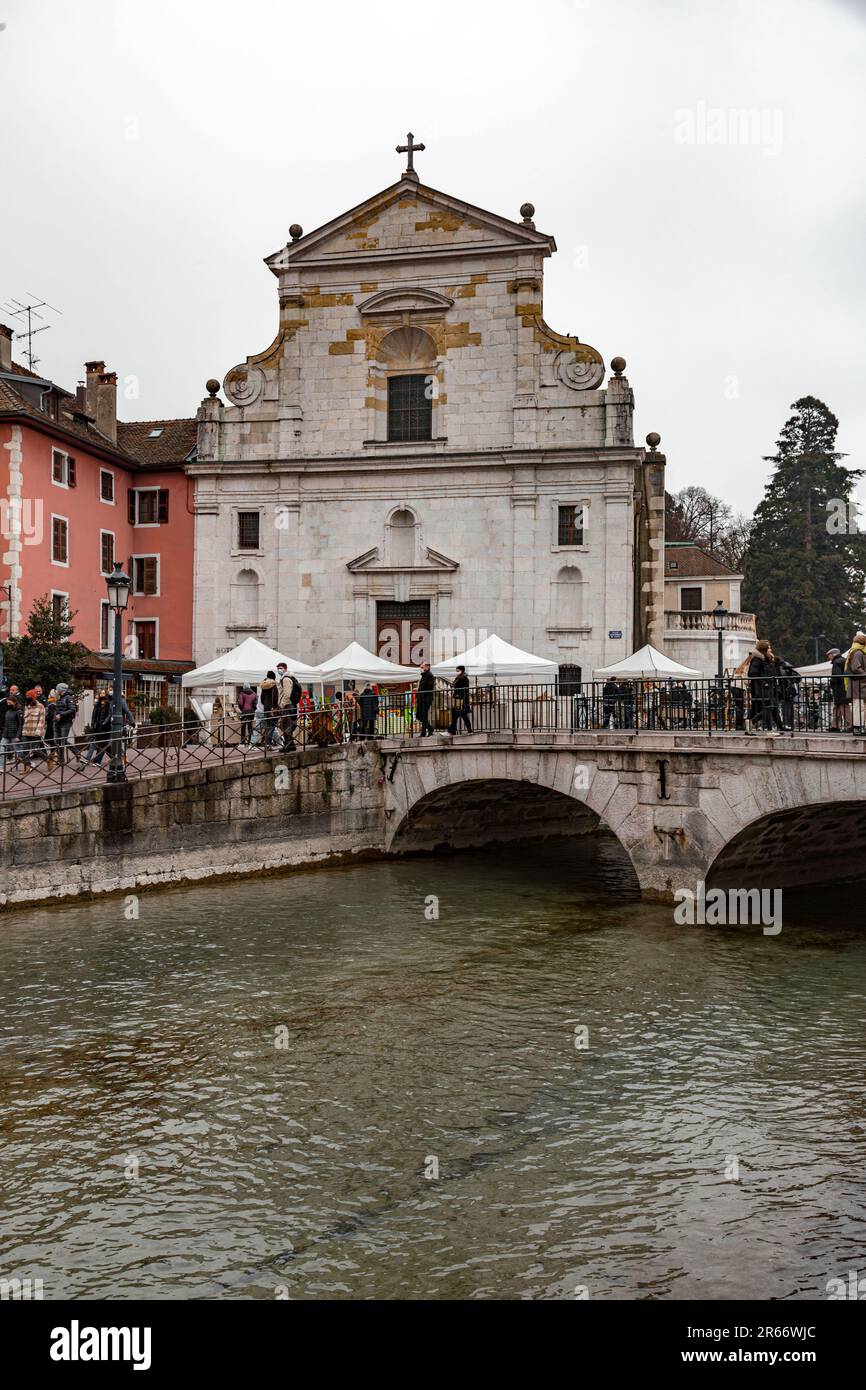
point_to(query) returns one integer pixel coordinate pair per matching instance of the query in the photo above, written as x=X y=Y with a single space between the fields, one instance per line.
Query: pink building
x=78 y=491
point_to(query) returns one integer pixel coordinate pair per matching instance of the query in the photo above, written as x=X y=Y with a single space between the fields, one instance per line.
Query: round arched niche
x=401 y=538
x=407 y=349
x=244 y=599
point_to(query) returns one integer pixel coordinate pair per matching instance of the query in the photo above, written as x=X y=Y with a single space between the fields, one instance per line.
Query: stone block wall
x=214 y=822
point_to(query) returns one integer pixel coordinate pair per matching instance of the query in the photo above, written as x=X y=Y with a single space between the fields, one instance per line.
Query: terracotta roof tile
x=174 y=444
x=692 y=561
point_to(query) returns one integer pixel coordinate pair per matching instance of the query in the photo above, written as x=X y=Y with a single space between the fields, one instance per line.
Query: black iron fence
x=783 y=706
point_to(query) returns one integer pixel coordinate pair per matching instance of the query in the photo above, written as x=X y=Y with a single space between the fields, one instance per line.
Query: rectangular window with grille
x=146 y=574
x=690 y=600
x=570 y=526
x=248 y=530
x=410 y=408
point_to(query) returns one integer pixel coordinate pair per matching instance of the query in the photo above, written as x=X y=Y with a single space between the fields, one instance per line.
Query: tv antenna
x=27 y=313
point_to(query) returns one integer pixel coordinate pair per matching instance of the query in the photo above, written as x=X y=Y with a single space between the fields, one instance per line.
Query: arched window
x=244 y=600
x=409 y=358
x=567 y=603
x=401 y=539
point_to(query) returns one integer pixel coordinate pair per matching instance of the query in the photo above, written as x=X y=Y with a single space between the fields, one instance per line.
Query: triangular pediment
x=372 y=560
x=409 y=220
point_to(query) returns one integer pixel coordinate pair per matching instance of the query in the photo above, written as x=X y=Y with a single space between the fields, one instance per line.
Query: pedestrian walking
x=11 y=720
x=787 y=686
x=32 y=728
x=761 y=674
x=100 y=731
x=841 y=719
x=855 y=681
x=351 y=715
x=460 y=702
x=424 y=699
x=64 y=717
x=369 y=703
x=246 y=703
x=289 y=699
x=270 y=698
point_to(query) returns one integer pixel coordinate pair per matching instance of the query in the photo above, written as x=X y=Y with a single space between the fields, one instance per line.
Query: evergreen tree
x=44 y=655
x=805 y=564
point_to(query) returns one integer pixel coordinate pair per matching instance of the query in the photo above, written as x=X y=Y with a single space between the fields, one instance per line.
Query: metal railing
x=783 y=705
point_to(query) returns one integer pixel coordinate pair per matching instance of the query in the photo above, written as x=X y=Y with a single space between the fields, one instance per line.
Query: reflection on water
x=282 y=1061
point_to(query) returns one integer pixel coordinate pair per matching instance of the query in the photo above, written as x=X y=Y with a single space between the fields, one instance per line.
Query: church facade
x=418 y=460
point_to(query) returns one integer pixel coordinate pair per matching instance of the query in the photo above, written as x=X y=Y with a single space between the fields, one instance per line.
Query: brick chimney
x=93 y=370
x=106 y=405
x=100 y=395
x=5 y=348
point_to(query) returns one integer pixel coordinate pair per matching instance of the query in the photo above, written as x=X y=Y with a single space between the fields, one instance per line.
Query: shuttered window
x=106 y=557
x=146 y=575
x=148 y=506
x=60 y=540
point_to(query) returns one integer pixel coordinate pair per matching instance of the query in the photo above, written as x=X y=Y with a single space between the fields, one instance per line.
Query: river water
x=248 y=1092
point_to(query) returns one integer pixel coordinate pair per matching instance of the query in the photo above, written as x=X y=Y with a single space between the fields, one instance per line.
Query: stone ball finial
x=296 y=231
x=653 y=440
x=212 y=386
x=527 y=211
x=618 y=365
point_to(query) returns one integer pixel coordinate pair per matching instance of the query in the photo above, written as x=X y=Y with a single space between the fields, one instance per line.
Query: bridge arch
x=815 y=843
x=495 y=809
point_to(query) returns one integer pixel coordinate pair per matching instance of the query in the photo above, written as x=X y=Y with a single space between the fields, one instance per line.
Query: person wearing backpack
x=289 y=698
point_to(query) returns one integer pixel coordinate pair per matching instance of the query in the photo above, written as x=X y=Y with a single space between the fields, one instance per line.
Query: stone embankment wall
x=214 y=822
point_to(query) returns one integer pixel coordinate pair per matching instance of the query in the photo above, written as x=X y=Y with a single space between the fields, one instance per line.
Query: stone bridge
x=737 y=811
x=734 y=811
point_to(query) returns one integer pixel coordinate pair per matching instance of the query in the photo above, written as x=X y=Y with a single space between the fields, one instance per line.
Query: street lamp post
x=720 y=613
x=118 y=597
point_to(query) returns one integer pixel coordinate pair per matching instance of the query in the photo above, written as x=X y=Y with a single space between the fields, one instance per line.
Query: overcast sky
x=153 y=153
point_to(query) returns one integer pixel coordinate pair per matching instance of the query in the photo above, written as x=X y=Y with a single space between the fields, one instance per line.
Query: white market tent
x=649 y=664
x=247 y=662
x=355 y=663
x=823 y=668
x=497 y=658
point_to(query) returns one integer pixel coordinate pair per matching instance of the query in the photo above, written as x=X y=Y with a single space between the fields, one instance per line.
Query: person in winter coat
x=11 y=720
x=761 y=673
x=50 y=705
x=270 y=698
x=100 y=731
x=609 y=701
x=289 y=698
x=247 y=711
x=424 y=699
x=855 y=680
x=460 y=701
x=787 y=686
x=369 y=702
x=841 y=700
x=351 y=714
x=32 y=728
x=64 y=717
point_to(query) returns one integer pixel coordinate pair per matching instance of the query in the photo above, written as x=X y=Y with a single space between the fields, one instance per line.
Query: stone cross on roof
x=409 y=149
